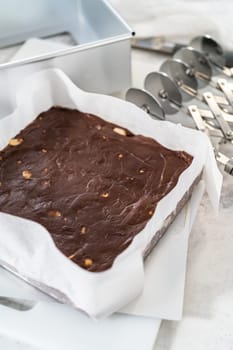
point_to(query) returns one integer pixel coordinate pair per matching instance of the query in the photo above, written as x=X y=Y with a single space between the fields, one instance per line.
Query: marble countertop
x=208 y=307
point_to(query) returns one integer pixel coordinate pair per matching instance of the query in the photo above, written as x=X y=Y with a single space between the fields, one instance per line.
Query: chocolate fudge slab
x=92 y=184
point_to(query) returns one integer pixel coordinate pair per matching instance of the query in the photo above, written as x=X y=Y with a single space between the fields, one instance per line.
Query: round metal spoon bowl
x=144 y=100
x=165 y=91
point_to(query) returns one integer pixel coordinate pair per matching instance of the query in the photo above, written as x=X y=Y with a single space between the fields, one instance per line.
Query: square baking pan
x=97 y=58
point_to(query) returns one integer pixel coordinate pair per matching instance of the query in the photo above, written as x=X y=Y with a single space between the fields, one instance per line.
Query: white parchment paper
x=28 y=248
x=164 y=280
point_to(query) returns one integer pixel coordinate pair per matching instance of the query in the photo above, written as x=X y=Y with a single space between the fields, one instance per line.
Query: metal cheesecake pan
x=26 y=247
x=97 y=59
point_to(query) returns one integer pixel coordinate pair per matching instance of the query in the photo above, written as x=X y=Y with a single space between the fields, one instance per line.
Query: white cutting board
x=55 y=326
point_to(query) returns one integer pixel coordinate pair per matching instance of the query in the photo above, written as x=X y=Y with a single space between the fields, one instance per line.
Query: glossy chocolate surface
x=92 y=184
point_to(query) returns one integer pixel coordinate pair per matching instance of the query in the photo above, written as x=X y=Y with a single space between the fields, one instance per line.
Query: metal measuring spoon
x=145 y=101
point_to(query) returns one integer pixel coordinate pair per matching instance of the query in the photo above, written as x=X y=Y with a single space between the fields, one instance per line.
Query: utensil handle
x=229 y=58
x=196 y=115
x=226 y=89
x=229 y=167
x=210 y=101
x=156 y=44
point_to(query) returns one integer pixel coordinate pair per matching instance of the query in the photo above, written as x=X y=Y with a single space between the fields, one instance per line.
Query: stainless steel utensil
x=17 y=304
x=206 y=44
x=165 y=91
x=195 y=72
x=187 y=83
x=202 y=65
x=213 y=51
x=144 y=100
x=161 y=86
x=170 y=102
x=156 y=44
x=226 y=162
